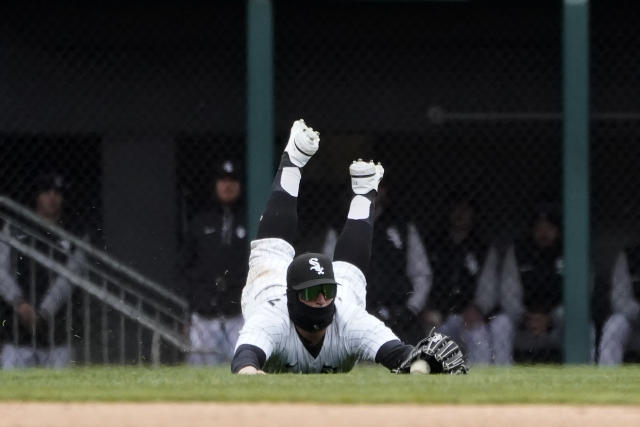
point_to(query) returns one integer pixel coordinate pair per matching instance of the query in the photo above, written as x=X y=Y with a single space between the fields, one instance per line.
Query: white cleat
x=365 y=176
x=303 y=143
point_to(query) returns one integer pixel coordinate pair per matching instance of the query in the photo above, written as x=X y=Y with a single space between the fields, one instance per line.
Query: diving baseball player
x=306 y=314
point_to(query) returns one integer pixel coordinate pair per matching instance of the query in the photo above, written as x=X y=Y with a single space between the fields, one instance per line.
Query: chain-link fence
x=615 y=58
x=461 y=103
x=137 y=105
x=132 y=105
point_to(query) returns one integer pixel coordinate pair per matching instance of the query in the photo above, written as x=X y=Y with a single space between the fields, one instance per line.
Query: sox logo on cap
x=315 y=265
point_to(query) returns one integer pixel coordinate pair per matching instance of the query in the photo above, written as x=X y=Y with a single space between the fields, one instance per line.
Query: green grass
x=365 y=384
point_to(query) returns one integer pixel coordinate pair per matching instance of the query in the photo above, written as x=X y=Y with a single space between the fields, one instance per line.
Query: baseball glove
x=441 y=353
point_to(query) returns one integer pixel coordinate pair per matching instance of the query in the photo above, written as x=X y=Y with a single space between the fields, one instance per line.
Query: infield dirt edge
x=169 y=414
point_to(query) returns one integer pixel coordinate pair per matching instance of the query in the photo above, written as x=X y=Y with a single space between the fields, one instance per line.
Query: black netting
x=136 y=105
x=133 y=105
x=27 y=157
x=456 y=100
x=615 y=60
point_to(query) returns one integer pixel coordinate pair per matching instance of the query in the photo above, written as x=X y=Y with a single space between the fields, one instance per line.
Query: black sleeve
x=248 y=355
x=392 y=354
x=183 y=267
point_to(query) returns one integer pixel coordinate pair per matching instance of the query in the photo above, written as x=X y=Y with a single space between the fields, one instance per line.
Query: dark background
x=136 y=102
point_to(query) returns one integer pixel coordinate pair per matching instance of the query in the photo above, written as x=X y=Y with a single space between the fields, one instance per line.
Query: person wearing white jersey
x=306 y=314
x=621 y=331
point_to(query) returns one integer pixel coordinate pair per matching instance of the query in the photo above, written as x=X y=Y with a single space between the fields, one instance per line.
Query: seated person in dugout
x=463 y=297
x=306 y=314
x=33 y=299
x=621 y=331
x=531 y=293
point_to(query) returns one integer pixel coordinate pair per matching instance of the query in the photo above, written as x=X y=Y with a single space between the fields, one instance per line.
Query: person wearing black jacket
x=531 y=290
x=463 y=296
x=33 y=298
x=213 y=269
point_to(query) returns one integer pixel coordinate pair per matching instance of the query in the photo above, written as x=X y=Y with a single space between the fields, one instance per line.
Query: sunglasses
x=311 y=293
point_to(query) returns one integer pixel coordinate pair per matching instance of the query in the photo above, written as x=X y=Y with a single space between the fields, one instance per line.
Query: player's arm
x=622 y=297
x=9 y=289
x=61 y=289
x=257 y=340
x=372 y=340
x=248 y=359
x=392 y=354
x=511 y=287
x=377 y=342
x=418 y=270
x=486 y=298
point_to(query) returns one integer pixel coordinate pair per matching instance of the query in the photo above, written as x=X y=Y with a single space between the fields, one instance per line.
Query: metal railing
x=121 y=295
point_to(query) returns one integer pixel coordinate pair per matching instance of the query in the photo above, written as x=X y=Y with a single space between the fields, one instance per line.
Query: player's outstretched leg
x=280 y=217
x=354 y=243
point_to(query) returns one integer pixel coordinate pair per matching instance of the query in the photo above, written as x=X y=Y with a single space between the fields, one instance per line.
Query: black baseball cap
x=228 y=169
x=310 y=269
x=50 y=181
x=548 y=212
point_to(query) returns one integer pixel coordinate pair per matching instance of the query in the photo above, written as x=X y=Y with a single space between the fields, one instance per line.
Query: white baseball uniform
x=353 y=335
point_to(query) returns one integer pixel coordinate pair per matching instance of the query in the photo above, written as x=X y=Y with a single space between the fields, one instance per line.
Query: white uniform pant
x=505 y=338
x=618 y=335
x=491 y=342
x=16 y=357
x=477 y=340
x=213 y=339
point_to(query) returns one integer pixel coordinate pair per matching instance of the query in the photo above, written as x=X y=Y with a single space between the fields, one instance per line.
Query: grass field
x=365 y=384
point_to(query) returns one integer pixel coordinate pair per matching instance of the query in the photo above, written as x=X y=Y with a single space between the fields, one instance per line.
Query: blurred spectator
x=465 y=282
x=621 y=331
x=531 y=291
x=399 y=275
x=213 y=269
x=37 y=332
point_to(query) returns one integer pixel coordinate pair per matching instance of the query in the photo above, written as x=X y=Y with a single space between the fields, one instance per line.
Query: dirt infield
x=285 y=415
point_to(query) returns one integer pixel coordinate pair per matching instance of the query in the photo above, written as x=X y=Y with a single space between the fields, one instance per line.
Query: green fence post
x=576 y=181
x=260 y=115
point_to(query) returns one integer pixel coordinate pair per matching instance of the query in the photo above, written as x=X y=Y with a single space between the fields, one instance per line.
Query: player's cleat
x=365 y=176
x=303 y=143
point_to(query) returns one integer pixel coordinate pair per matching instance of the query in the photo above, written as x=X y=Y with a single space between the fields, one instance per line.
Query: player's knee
x=616 y=327
x=501 y=324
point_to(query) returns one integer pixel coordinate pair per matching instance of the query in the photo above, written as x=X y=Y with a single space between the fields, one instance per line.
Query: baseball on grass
x=419 y=367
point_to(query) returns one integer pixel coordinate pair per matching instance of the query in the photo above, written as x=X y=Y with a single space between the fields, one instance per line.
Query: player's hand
x=27 y=315
x=472 y=316
x=431 y=318
x=250 y=370
x=440 y=352
x=538 y=323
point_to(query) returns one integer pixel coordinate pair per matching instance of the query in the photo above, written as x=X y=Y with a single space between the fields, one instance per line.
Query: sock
x=355 y=241
x=280 y=217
